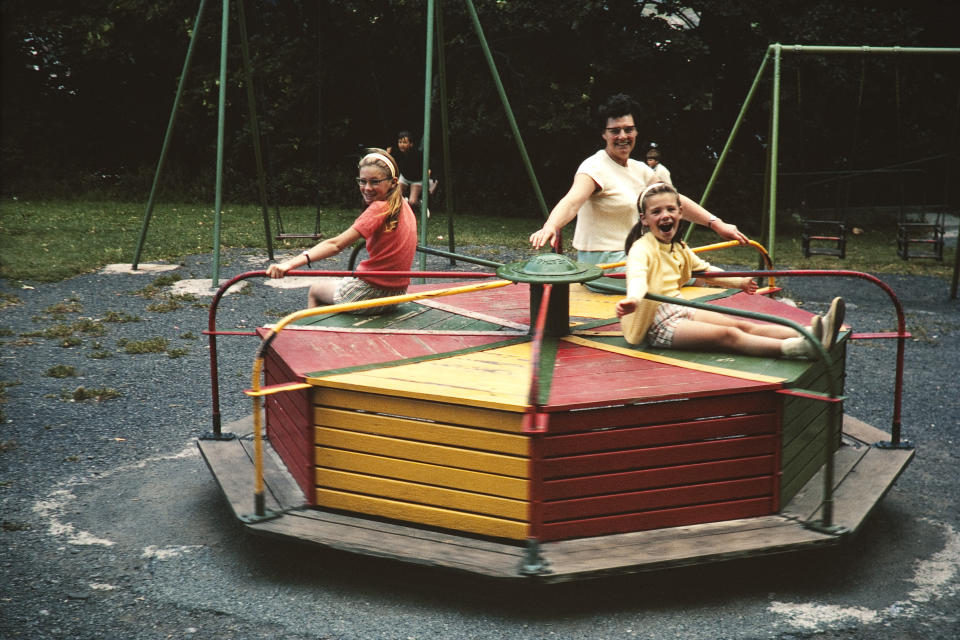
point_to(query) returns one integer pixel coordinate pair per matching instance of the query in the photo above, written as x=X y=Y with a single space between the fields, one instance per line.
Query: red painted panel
x=510 y=303
x=585 y=486
x=656 y=519
x=654 y=499
x=763 y=304
x=621 y=439
x=662 y=412
x=289 y=427
x=657 y=456
x=587 y=376
x=301 y=470
x=305 y=351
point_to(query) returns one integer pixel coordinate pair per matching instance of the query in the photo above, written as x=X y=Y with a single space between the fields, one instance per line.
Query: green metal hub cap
x=549 y=268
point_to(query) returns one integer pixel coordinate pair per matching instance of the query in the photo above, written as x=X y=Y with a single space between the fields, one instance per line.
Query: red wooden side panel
x=288 y=418
x=627 y=481
x=657 y=499
x=662 y=412
x=648 y=436
x=655 y=519
x=652 y=457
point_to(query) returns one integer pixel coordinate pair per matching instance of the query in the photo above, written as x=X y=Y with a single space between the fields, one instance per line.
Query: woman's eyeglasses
x=373 y=182
x=616 y=130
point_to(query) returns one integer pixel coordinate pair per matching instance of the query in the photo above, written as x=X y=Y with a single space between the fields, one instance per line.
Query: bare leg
x=696 y=334
x=415 y=191
x=321 y=292
x=753 y=328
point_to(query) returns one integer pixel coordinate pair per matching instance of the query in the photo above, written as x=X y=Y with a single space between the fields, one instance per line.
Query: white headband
x=379 y=156
x=643 y=194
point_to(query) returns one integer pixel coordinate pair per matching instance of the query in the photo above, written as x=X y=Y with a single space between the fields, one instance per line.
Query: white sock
x=796 y=348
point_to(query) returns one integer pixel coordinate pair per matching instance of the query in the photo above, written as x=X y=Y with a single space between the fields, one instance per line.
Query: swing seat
x=925 y=230
x=816 y=232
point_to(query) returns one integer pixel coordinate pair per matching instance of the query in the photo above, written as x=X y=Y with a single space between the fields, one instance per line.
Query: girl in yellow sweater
x=658 y=262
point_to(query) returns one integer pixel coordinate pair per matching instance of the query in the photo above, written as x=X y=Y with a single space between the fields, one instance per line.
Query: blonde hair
x=383 y=161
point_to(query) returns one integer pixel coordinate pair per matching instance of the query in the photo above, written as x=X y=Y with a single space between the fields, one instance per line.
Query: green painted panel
x=405 y=316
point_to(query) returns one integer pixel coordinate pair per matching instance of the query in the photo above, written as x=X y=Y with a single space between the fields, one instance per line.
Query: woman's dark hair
x=652 y=190
x=616 y=106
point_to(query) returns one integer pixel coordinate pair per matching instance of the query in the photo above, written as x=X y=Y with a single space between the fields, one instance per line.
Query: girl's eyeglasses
x=373 y=182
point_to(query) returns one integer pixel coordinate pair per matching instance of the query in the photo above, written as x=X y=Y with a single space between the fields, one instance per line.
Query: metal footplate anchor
x=533 y=563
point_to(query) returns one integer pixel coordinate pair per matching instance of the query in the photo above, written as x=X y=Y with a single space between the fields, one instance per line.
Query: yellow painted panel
x=422 y=494
x=585 y=303
x=476 y=481
x=495 y=378
x=421 y=452
x=419 y=430
x=428 y=410
x=433 y=516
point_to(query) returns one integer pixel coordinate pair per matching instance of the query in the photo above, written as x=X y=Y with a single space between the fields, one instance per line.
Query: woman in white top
x=604 y=194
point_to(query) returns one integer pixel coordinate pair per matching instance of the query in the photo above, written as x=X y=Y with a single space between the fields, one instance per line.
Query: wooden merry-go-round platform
x=415 y=437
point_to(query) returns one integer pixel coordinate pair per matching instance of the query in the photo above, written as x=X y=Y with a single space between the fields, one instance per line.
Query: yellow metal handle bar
x=713 y=247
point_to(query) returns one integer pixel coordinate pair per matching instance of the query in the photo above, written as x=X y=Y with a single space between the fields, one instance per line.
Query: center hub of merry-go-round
x=556 y=270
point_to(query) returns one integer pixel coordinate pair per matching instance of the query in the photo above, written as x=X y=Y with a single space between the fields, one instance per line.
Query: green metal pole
x=733 y=134
x=254 y=125
x=221 y=117
x=506 y=106
x=774 y=148
x=445 y=131
x=427 y=102
x=166 y=138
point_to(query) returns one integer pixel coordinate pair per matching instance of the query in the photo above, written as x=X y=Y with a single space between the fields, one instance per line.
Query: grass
x=47 y=241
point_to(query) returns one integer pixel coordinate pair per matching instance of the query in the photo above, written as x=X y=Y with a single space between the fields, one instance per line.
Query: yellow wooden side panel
x=422 y=431
x=476 y=481
x=496 y=378
x=421 y=452
x=432 y=516
x=441 y=412
x=422 y=494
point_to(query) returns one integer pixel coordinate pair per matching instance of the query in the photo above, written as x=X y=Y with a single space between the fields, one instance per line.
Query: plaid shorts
x=355 y=289
x=665 y=320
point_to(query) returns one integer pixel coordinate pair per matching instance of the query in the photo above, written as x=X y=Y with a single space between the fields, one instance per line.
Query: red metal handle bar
x=215 y=303
x=901 y=326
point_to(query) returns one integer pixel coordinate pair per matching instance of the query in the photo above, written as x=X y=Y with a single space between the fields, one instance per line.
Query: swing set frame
x=775 y=52
x=434 y=25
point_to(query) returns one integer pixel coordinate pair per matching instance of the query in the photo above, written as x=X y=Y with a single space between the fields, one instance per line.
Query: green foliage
x=82 y=394
x=9 y=300
x=120 y=317
x=61 y=371
x=150 y=345
x=332 y=76
x=70 y=306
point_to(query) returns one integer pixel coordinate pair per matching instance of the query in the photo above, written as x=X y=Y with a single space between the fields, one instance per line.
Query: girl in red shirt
x=389 y=228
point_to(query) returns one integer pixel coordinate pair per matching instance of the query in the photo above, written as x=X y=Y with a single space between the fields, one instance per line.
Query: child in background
x=661 y=173
x=658 y=262
x=389 y=228
x=410 y=161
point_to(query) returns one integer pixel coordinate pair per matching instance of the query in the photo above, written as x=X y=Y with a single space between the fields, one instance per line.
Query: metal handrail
x=212 y=333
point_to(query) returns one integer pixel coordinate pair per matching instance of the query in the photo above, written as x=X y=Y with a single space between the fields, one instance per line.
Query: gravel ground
x=113 y=528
